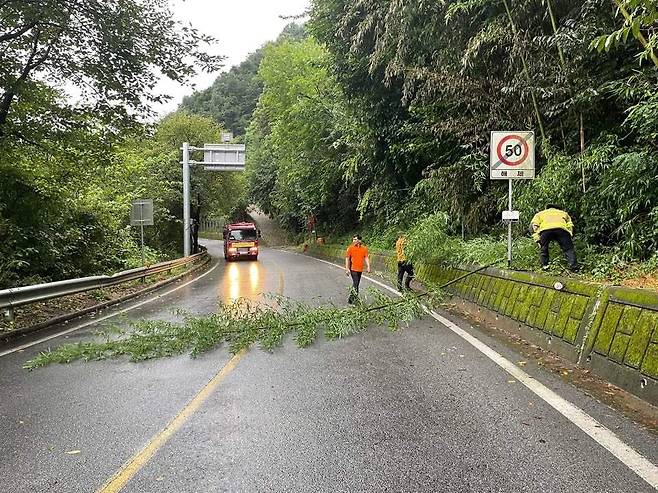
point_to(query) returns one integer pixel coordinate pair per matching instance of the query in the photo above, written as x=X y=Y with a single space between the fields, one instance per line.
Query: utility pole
x=186 y=199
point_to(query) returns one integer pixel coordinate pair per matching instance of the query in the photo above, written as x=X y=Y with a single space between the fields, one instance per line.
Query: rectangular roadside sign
x=512 y=155
x=141 y=213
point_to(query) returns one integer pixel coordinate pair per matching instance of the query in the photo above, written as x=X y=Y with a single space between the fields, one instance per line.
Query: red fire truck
x=241 y=241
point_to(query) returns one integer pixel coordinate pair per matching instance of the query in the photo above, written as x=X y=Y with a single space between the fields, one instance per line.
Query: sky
x=239 y=26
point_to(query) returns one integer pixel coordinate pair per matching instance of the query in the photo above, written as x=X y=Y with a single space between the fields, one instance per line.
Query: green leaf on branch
x=239 y=325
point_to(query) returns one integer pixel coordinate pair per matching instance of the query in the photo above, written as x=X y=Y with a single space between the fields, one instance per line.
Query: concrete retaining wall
x=612 y=330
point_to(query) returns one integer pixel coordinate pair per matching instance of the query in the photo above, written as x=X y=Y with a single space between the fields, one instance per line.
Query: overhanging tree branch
x=10 y=93
x=639 y=36
x=17 y=33
x=121 y=51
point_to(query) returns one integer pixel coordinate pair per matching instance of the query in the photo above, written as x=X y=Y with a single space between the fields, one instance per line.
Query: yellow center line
x=134 y=464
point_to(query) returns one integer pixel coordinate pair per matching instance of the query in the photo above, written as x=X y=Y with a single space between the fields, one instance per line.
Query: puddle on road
x=242 y=280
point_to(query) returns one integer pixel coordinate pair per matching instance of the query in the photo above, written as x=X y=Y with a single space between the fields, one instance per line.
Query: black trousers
x=402 y=268
x=564 y=240
x=356 y=280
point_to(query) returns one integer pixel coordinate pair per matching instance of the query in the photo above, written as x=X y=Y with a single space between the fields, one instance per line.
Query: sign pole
x=186 y=199
x=216 y=157
x=141 y=214
x=511 y=157
x=142 y=228
x=143 y=263
x=509 y=229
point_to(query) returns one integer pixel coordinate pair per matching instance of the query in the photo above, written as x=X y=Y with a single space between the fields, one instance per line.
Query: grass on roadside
x=430 y=241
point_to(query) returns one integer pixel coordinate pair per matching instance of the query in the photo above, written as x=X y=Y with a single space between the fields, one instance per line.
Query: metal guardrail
x=212 y=225
x=25 y=295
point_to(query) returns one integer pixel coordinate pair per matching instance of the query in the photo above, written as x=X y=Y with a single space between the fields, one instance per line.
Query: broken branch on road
x=239 y=325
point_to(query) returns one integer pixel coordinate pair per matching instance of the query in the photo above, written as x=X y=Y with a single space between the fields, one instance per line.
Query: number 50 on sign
x=512 y=155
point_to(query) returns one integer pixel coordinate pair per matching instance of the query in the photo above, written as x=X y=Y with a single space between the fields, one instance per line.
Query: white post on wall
x=509 y=229
x=186 y=199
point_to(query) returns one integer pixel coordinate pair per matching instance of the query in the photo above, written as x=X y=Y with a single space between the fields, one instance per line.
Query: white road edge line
x=632 y=459
x=96 y=320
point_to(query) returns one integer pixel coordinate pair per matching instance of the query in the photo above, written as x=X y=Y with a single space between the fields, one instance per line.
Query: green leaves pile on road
x=240 y=325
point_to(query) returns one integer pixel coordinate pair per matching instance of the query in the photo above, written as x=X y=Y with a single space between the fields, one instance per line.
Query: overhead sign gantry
x=216 y=157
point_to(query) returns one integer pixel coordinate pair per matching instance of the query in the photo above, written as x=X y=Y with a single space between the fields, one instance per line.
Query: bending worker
x=553 y=224
x=404 y=265
x=355 y=256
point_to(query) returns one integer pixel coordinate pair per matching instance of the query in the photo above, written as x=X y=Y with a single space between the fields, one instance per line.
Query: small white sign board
x=512 y=155
x=142 y=213
x=511 y=216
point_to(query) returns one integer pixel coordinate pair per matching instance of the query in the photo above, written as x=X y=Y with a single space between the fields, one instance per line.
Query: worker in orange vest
x=554 y=224
x=355 y=258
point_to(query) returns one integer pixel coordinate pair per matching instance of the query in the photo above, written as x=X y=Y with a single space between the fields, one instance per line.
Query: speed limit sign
x=512 y=155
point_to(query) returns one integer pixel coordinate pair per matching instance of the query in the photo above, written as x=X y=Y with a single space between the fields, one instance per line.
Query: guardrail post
x=8 y=314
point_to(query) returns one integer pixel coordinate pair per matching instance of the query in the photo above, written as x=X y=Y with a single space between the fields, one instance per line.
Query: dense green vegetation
x=383 y=117
x=374 y=116
x=295 y=138
x=231 y=99
x=430 y=240
x=70 y=166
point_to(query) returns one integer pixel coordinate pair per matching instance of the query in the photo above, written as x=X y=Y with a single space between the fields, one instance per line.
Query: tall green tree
x=296 y=139
x=232 y=98
x=110 y=53
x=77 y=77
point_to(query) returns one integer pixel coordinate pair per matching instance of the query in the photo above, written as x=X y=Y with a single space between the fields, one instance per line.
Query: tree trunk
x=5 y=104
x=582 y=149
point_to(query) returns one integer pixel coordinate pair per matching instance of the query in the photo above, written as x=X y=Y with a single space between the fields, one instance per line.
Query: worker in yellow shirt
x=404 y=265
x=553 y=224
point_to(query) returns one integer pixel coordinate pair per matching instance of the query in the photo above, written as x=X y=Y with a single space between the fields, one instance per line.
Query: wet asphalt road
x=414 y=410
